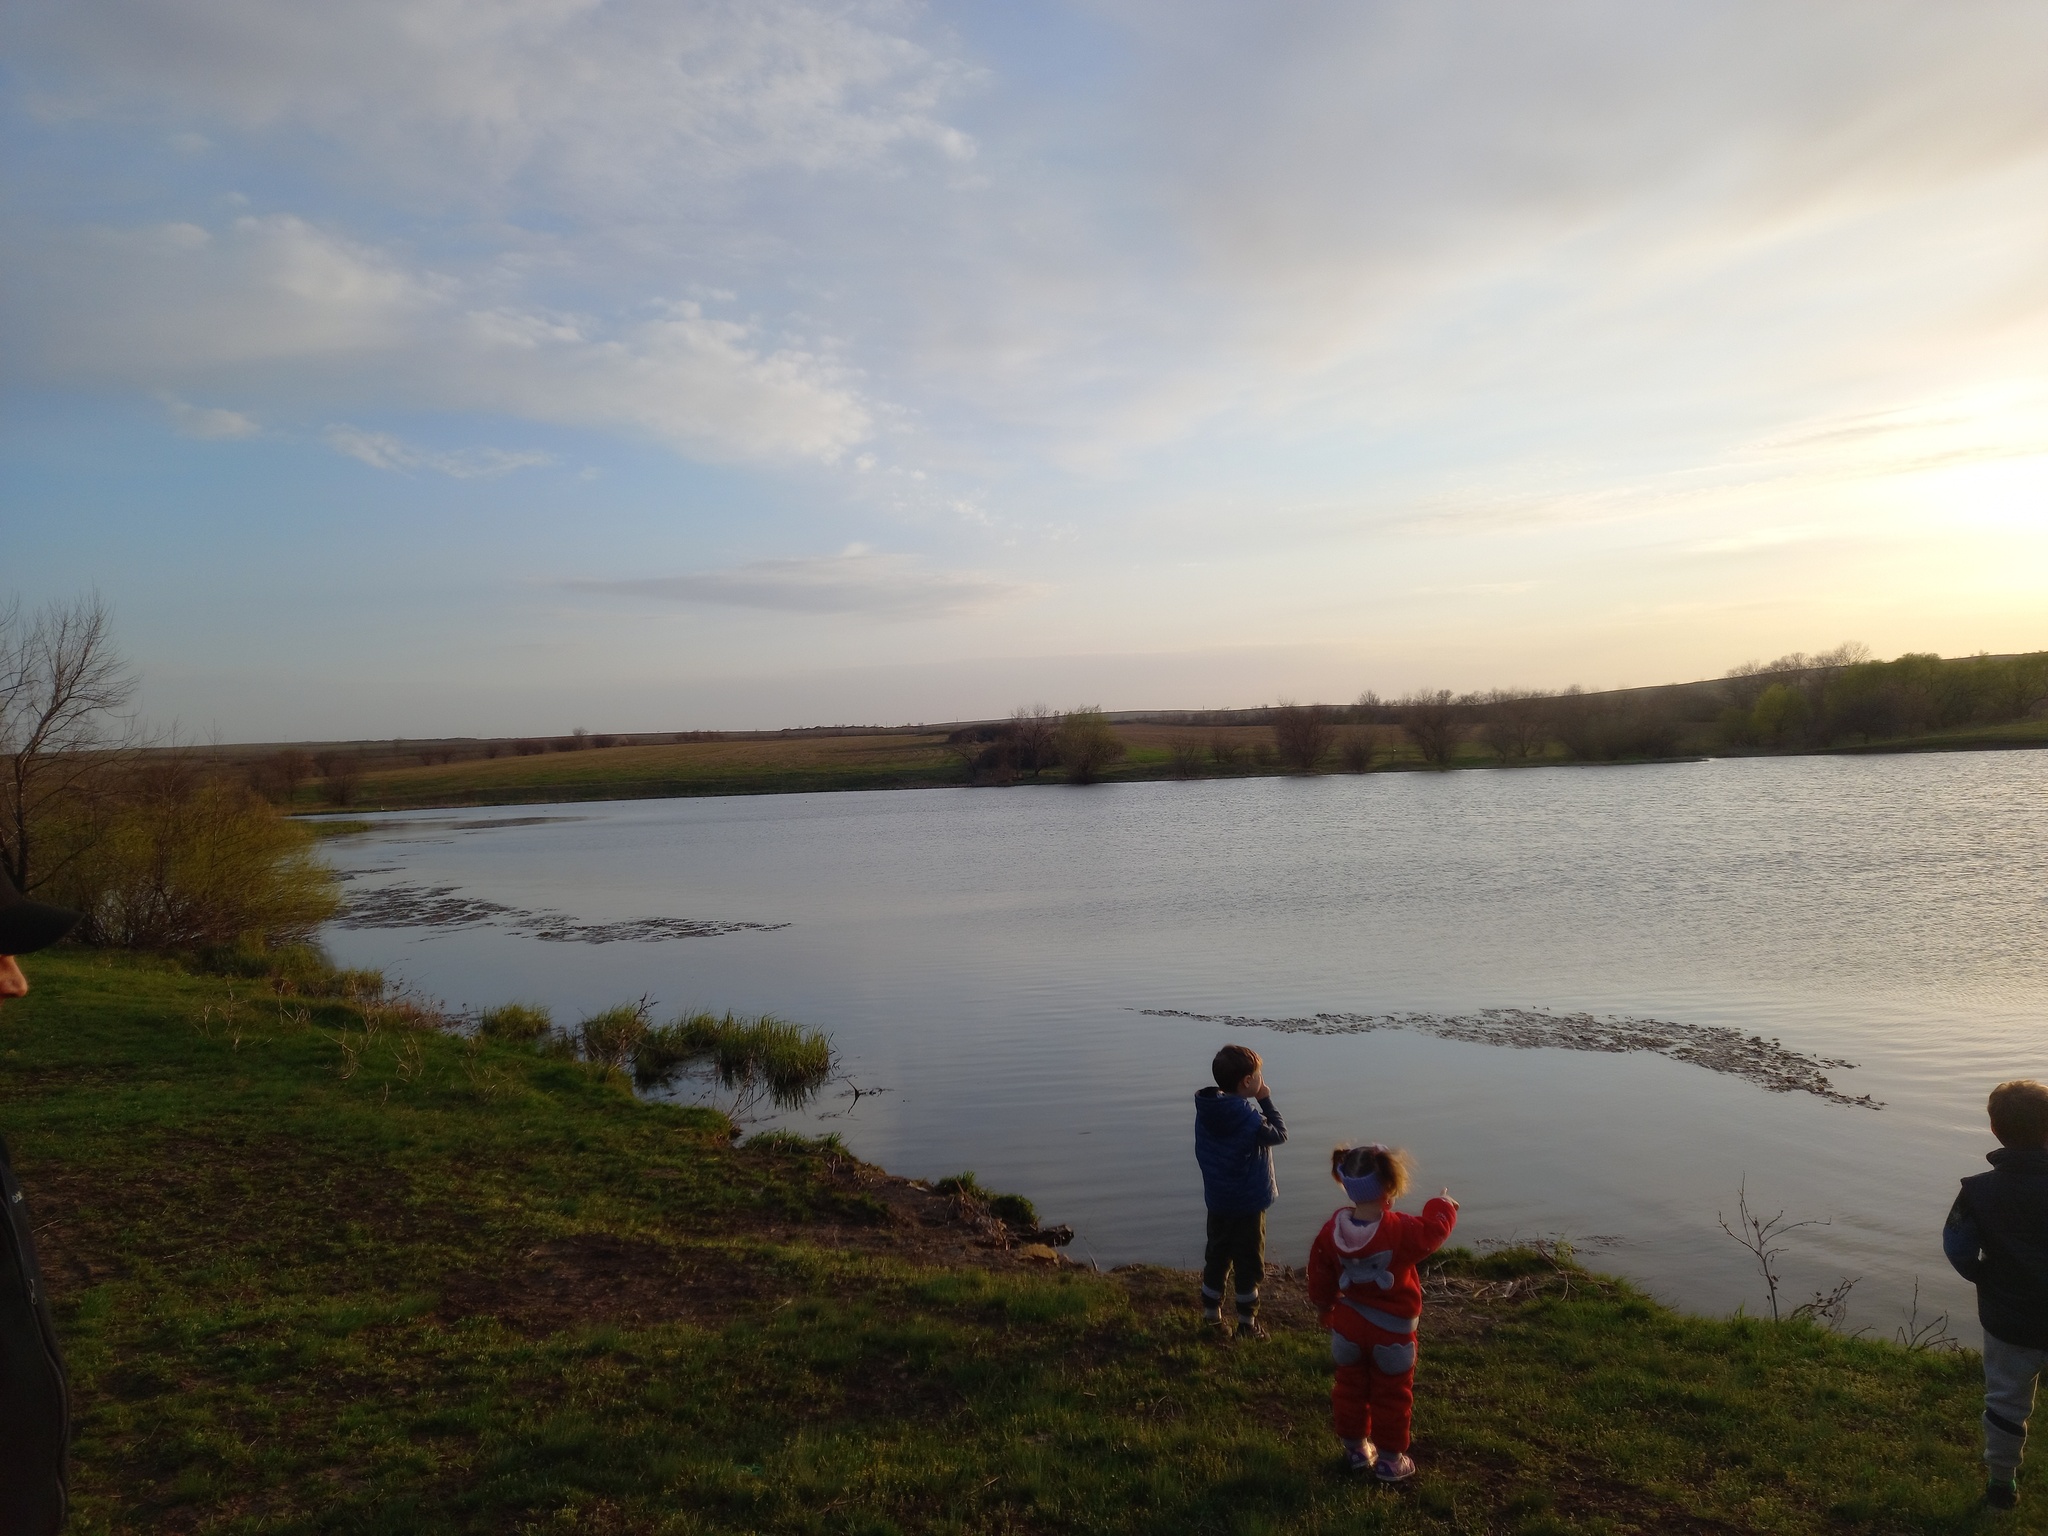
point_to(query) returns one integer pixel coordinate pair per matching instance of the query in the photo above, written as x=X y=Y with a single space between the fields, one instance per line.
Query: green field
x=319 y=1268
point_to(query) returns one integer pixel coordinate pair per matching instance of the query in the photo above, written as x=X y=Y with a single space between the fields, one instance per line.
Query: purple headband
x=1362 y=1187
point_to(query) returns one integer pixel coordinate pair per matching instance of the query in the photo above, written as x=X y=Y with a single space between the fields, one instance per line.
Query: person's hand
x=1256 y=1088
x=1445 y=1194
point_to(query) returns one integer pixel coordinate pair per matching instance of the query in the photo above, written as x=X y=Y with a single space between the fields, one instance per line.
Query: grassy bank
x=321 y=1271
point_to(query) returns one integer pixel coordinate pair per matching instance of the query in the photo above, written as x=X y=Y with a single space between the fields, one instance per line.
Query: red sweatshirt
x=1357 y=1269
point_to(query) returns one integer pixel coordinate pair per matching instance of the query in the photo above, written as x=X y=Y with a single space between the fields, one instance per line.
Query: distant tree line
x=1798 y=702
x=1844 y=696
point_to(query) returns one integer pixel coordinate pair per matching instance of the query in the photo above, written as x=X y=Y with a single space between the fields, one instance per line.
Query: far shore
x=908 y=758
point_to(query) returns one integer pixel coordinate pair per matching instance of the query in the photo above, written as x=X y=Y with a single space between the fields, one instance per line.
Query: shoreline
x=320 y=1264
x=946 y=776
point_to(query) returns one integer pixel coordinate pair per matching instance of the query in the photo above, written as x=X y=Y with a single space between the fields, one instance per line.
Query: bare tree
x=1034 y=729
x=1357 y=748
x=1225 y=751
x=1185 y=753
x=1517 y=723
x=342 y=772
x=1430 y=717
x=64 y=693
x=1302 y=734
x=279 y=775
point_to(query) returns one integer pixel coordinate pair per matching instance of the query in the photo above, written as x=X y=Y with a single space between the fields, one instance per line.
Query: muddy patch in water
x=444 y=906
x=1767 y=1063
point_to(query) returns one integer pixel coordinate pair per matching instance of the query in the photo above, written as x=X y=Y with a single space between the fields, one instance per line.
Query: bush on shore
x=182 y=860
x=1087 y=744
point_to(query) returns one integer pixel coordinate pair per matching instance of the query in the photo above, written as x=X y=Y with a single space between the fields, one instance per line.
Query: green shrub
x=183 y=861
x=1087 y=744
x=520 y=1023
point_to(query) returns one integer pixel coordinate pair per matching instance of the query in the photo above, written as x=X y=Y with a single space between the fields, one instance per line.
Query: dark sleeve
x=1962 y=1242
x=1272 y=1129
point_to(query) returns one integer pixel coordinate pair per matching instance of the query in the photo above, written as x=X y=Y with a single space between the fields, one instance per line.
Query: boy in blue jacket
x=1997 y=1238
x=1236 y=1129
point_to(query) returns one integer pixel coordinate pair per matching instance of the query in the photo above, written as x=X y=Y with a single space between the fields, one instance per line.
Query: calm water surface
x=982 y=955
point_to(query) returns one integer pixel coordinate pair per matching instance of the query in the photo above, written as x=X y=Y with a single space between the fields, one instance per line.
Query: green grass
x=319 y=1273
x=1015 y=1209
x=786 y=1061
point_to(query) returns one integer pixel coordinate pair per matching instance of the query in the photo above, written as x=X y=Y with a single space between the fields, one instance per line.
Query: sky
x=436 y=367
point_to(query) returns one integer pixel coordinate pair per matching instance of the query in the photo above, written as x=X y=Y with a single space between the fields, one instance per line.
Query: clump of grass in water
x=615 y=1037
x=1015 y=1210
x=786 y=1061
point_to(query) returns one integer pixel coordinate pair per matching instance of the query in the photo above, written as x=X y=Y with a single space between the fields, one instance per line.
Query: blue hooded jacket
x=1997 y=1239
x=1234 y=1139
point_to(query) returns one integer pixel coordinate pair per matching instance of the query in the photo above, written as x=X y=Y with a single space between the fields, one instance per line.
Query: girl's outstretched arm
x=1424 y=1234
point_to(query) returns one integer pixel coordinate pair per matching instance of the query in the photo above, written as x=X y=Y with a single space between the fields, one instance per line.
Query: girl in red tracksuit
x=1361 y=1278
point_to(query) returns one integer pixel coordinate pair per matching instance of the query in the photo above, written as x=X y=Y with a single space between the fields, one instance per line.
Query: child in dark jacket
x=1236 y=1129
x=1997 y=1238
x=1362 y=1280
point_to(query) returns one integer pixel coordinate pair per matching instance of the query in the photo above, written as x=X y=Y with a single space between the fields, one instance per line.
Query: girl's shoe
x=1359 y=1457
x=2002 y=1494
x=1394 y=1467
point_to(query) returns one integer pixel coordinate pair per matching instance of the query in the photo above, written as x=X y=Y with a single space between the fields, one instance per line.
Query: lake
x=1032 y=980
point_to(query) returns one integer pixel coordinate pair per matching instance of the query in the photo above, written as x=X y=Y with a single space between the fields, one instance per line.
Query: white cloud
x=209 y=423
x=855 y=581
x=381 y=450
x=591 y=102
x=278 y=304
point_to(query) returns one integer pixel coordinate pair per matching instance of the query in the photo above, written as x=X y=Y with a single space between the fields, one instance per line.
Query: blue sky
x=444 y=367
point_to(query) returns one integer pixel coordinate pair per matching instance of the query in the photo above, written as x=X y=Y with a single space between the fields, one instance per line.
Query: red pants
x=1368 y=1401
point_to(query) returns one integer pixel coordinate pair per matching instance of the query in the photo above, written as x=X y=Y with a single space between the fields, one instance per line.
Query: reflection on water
x=1035 y=977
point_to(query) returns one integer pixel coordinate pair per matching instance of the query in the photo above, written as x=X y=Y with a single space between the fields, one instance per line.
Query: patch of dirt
x=221 y=1195
x=595 y=1278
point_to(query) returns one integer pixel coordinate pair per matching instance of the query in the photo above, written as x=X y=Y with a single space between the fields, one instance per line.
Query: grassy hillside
x=321 y=1269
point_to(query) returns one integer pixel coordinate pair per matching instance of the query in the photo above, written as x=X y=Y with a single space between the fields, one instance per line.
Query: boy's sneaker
x=1394 y=1467
x=2002 y=1493
x=1359 y=1457
x=1217 y=1330
x=1249 y=1328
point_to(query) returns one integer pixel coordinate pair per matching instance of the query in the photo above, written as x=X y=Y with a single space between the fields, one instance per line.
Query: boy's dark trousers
x=1236 y=1241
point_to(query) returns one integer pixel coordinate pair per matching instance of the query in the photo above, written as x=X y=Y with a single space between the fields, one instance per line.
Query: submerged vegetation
x=758 y=1060
x=324 y=1264
x=765 y=1056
